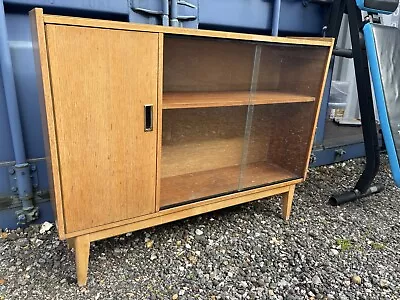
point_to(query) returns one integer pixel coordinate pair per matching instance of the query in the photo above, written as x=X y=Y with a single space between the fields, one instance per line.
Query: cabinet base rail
x=81 y=243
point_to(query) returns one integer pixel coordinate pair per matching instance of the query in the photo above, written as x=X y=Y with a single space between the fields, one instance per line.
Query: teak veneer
x=146 y=125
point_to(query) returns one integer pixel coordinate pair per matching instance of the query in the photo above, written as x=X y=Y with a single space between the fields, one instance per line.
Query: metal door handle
x=148 y=117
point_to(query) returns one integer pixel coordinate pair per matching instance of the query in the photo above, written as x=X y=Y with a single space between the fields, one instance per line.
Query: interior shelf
x=182 y=188
x=175 y=100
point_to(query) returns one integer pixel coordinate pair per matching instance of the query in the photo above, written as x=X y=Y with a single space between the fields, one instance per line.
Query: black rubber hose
x=350 y=196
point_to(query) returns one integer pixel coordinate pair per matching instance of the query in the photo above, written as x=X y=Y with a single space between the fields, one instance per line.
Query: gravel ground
x=244 y=252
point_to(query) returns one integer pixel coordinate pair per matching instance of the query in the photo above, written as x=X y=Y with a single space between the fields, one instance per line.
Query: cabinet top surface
x=85 y=22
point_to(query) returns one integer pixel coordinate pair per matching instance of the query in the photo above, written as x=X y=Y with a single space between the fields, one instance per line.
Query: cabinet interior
x=235 y=115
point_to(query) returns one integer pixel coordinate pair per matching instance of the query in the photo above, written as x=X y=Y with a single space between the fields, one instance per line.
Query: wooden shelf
x=175 y=100
x=179 y=189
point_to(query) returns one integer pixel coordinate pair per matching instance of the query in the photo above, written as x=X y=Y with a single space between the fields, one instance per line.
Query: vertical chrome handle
x=148 y=117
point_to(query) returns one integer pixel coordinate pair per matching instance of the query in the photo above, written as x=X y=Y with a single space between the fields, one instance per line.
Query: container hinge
x=135 y=5
x=187 y=17
x=151 y=8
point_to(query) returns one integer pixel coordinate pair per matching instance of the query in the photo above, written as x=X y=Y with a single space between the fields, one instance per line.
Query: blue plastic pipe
x=275 y=17
x=9 y=90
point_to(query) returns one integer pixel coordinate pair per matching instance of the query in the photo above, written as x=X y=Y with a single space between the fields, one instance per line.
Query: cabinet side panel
x=47 y=115
x=318 y=105
x=102 y=79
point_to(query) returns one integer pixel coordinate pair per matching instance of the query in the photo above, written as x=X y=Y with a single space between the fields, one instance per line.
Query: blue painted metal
x=7 y=74
x=149 y=12
x=21 y=168
x=275 y=17
x=165 y=9
x=320 y=133
x=188 y=13
x=325 y=156
x=236 y=14
x=74 y=7
x=173 y=21
x=256 y=16
x=7 y=216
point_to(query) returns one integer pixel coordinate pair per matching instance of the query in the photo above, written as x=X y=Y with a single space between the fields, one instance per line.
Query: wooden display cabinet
x=145 y=125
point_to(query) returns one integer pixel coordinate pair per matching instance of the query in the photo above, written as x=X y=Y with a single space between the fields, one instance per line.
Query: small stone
x=316 y=280
x=383 y=283
x=149 y=243
x=178 y=243
x=343 y=297
x=192 y=259
x=153 y=256
x=271 y=292
x=174 y=296
x=22 y=242
x=368 y=284
x=243 y=284
x=283 y=283
x=261 y=282
x=46 y=226
x=199 y=232
x=347 y=282
x=2 y=281
x=12 y=236
x=181 y=292
x=334 y=252
x=356 y=279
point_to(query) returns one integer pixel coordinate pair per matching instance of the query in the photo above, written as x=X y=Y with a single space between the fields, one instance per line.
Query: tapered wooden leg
x=70 y=243
x=287 y=200
x=82 y=247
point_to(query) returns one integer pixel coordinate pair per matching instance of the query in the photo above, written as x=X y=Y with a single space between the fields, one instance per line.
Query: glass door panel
x=205 y=96
x=281 y=114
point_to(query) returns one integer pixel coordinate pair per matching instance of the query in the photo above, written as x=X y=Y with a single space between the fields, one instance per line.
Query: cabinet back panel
x=289 y=148
x=204 y=64
x=302 y=70
x=196 y=140
x=99 y=91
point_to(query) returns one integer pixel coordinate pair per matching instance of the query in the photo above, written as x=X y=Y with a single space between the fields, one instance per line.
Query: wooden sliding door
x=104 y=85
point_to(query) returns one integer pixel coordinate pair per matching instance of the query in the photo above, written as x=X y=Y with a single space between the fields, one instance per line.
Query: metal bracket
x=13 y=178
x=313 y=158
x=187 y=17
x=23 y=182
x=25 y=216
x=183 y=11
x=148 y=8
x=339 y=153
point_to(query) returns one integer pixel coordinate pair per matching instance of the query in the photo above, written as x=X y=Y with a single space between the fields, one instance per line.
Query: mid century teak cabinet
x=147 y=124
